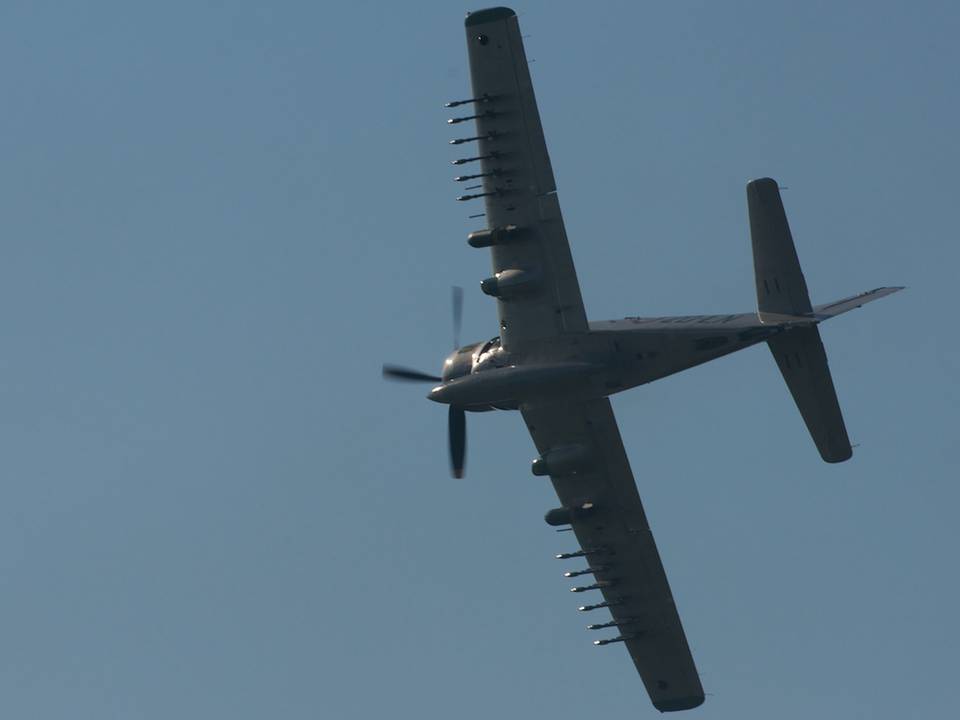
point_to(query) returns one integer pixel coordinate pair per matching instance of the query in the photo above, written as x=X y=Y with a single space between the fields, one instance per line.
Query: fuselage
x=613 y=356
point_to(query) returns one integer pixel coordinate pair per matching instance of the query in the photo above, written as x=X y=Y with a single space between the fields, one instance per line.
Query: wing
x=534 y=279
x=617 y=537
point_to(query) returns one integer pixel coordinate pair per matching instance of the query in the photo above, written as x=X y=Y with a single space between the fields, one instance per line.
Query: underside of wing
x=581 y=449
x=534 y=279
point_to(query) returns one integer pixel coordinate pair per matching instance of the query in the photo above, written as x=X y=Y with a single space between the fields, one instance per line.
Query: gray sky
x=219 y=219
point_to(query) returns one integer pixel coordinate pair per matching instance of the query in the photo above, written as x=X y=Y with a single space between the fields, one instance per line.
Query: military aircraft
x=558 y=369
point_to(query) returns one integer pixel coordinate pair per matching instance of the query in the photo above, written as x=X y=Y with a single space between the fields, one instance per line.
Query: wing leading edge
x=620 y=546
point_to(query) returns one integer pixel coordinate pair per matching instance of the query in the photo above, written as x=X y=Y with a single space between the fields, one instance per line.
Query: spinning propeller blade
x=458 y=439
x=395 y=372
x=457 y=314
x=457 y=418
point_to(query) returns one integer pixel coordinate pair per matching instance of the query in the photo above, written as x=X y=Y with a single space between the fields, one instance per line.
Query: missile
x=588 y=571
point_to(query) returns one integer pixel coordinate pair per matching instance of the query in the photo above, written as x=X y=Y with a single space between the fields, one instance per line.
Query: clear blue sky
x=219 y=219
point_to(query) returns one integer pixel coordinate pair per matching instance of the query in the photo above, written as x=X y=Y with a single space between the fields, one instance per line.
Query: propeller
x=396 y=372
x=457 y=417
x=457 y=431
x=457 y=314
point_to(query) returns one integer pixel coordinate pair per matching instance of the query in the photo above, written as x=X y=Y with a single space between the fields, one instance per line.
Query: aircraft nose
x=439 y=394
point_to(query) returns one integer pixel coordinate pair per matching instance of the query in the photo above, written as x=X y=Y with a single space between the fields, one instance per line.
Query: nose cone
x=440 y=394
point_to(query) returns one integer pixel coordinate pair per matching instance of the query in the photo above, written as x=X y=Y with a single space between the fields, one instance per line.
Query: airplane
x=559 y=370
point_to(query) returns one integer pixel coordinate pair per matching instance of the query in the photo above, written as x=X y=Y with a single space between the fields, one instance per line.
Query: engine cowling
x=459 y=362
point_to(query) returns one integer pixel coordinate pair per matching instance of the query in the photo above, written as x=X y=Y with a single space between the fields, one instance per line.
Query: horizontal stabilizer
x=781 y=288
x=838 y=307
x=803 y=363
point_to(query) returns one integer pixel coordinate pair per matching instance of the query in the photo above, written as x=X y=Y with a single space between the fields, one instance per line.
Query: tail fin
x=782 y=291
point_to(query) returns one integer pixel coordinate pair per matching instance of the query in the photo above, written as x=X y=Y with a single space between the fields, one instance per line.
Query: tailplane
x=783 y=300
x=781 y=288
x=803 y=363
x=838 y=307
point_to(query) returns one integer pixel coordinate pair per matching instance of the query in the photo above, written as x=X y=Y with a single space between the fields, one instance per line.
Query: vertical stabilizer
x=781 y=289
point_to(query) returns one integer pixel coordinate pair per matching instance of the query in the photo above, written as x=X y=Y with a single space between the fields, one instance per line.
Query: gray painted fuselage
x=615 y=355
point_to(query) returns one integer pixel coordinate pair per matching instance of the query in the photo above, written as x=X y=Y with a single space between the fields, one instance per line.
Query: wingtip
x=756 y=182
x=685 y=703
x=486 y=15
